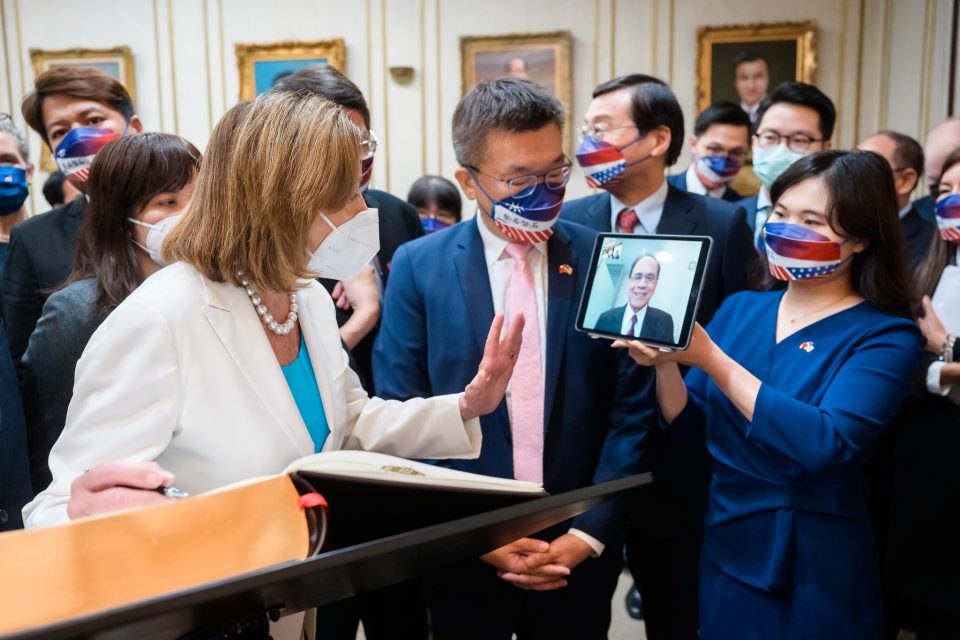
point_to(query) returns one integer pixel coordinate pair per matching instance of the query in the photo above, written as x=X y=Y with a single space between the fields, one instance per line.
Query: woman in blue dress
x=794 y=386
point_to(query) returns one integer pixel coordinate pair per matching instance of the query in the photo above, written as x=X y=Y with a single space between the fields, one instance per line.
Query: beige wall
x=885 y=62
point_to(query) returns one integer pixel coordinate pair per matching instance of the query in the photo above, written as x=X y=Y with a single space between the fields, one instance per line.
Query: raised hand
x=485 y=391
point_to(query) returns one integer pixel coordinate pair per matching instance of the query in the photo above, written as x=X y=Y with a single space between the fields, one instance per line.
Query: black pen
x=172 y=492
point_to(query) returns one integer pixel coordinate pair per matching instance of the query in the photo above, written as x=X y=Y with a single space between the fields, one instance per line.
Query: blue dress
x=788 y=550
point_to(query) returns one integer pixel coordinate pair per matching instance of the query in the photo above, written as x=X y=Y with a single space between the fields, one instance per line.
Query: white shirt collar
x=628 y=313
x=903 y=212
x=494 y=246
x=763 y=199
x=696 y=186
x=649 y=210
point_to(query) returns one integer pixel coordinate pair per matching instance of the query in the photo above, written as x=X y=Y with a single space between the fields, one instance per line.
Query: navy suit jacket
x=598 y=405
x=732 y=256
x=918 y=232
x=680 y=182
x=657 y=324
x=14 y=467
x=926 y=207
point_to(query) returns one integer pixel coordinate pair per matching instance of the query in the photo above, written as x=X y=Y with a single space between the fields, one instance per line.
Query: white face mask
x=349 y=247
x=155 y=235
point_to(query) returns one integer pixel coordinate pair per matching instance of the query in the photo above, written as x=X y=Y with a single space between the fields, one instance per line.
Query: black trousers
x=398 y=612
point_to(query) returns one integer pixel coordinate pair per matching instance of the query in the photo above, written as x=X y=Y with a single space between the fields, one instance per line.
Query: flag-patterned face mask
x=530 y=218
x=948 y=217
x=795 y=252
x=716 y=171
x=366 y=172
x=603 y=163
x=76 y=151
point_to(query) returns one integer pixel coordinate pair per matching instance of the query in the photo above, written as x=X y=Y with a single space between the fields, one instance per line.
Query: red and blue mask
x=366 y=172
x=602 y=162
x=76 y=151
x=795 y=252
x=948 y=217
x=530 y=218
x=716 y=171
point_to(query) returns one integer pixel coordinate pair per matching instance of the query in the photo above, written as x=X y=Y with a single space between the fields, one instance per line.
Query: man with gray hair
x=15 y=174
x=941 y=141
x=576 y=412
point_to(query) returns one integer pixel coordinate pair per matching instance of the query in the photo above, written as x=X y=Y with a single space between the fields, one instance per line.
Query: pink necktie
x=526 y=385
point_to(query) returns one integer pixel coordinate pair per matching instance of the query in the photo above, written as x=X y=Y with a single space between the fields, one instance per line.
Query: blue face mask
x=530 y=218
x=13 y=189
x=432 y=225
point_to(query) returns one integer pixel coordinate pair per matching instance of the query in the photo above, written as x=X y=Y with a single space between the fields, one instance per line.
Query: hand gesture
x=932 y=328
x=113 y=486
x=485 y=391
x=527 y=564
x=698 y=354
x=361 y=293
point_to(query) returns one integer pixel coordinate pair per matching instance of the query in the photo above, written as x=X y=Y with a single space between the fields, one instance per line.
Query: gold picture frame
x=789 y=47
x=116 y=62
x=547 y=59
x=261 y=65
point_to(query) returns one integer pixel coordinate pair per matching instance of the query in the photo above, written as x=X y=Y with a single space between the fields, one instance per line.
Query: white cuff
x=594 y=544
x=933 y=379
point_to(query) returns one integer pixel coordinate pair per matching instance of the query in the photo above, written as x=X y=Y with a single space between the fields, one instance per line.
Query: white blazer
x=182 y=373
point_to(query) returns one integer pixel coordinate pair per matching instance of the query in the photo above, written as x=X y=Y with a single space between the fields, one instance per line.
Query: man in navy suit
x=720 y=144
x=637 y=318
x=15 y=489
x=575 y=413
x=633 y=131
x=795 y=120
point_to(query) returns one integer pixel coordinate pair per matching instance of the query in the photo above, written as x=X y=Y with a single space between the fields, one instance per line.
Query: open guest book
x=322 y=502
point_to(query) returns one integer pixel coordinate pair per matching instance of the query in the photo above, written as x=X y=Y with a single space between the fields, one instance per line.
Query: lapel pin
x=807 y=346
x=566 y=270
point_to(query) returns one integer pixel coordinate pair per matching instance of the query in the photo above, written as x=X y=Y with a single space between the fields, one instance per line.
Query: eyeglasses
x=597 y=131
x=523 y=186
x=368 y=145
x=640 y=277
x=737 y=154
x=5 y=116
x=798 y=142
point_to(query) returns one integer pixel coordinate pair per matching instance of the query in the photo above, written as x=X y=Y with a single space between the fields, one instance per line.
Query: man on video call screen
x=637 y=318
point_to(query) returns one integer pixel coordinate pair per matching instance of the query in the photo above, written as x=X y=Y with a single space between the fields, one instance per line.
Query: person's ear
x=827 y=145
x=29 y=172
x=467 y=184
x=859 y=246
x=135 y=124
x=693 y=144
x=906 y=181
x=661 y=141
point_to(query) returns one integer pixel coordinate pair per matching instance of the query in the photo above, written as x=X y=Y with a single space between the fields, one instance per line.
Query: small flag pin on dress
x=807 y=346
x=566 y=270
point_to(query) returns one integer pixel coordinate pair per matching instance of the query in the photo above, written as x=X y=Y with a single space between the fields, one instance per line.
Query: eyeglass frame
x=5 y=116
x=566 y=167
x=372 y=142
x=597 y=131
x=780 y=138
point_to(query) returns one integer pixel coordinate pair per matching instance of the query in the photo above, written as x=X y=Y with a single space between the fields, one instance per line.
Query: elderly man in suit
x=633 y=131
x=636 y=317
x=576 y=413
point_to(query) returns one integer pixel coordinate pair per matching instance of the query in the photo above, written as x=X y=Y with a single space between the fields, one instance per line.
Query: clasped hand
x=537 y=565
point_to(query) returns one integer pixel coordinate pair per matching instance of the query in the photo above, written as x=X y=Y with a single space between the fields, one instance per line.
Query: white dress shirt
x=695 y=185
x=934 y=384
x=903 y=212
x=499 y=270
x=649 y=210
x=628 y=314
x=751 y=111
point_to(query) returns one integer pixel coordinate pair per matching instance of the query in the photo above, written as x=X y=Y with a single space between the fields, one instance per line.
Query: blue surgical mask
x=13 y=189
x=432 y=225
x=770 y=162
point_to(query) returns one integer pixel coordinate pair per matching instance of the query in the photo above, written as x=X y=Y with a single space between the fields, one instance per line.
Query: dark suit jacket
x=14 y=468
x=680 y=182
x=657 y=325
x=38 y=261
x=399 y=223
x=926 y=207
x=918 y=232
x=598 y=405
x=732 y=257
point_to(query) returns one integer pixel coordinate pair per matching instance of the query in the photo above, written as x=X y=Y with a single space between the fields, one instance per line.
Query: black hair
x=53 y=189
x=749 y=56
x=804 y=95
x=325 y=81
x=436 y=190
x=907 y=152
x=507 y=104
x=652 y=105
x=867 y=213
x=721 y=113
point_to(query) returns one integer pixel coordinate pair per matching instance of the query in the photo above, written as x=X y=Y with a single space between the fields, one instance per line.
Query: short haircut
x=53 y=189
x=721 y=113
x=270 y=166
x=436 y=190
x=749 y=56
x=803 y=95
x=22 y=148
x=124 y=176
x=639 y=258
x=76 y=82
x=325 y=81
x=907 y=152
x=652 y=105
x=506 y=104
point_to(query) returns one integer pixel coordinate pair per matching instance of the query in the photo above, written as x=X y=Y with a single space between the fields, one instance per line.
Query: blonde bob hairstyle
x=271 y=165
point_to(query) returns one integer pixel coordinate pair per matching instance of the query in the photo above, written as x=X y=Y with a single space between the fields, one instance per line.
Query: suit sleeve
x=400 y=351
x=412 y=219
x=125 y=405
x=856 y=408
x=632 y=415
x=739 y=256
x=21 y=300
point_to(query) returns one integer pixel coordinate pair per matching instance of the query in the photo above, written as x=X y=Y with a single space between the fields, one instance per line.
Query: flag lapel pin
x=566 y=270
x=807 y=346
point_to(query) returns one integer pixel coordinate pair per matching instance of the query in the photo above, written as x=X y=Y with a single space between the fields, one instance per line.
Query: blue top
x=786 y=499
x=303 y=385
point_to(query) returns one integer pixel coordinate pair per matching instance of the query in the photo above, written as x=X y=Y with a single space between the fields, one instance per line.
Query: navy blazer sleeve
x=14 y=469
x=740 y=257
x=21 y=304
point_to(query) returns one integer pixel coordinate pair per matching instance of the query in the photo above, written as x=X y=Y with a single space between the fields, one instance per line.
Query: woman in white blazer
x=188 y=378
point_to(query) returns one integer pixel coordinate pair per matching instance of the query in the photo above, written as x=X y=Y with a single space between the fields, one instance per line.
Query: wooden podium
x=247 y=600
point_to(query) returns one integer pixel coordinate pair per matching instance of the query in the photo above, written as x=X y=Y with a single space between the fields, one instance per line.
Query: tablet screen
x=644 y=287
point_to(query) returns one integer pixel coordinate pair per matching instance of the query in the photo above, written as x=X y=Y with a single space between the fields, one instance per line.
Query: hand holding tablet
x=644 y=288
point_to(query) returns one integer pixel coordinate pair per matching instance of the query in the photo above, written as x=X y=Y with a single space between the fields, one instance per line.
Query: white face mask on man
x=349 y=247
x=155 y=236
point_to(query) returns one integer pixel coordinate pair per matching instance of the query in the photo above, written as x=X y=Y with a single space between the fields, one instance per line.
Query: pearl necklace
x=268 y=319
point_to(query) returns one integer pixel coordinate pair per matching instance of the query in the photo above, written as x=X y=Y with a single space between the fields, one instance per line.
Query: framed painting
x=262 y=65
x=116 y=63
